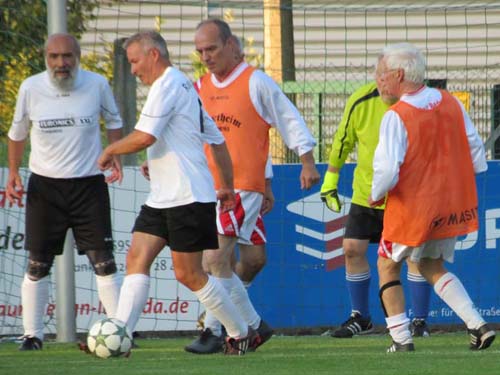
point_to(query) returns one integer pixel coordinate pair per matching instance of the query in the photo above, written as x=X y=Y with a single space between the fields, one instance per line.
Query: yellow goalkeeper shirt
x=360 y=125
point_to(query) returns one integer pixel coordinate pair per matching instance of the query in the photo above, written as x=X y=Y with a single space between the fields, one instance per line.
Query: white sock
x=215 y=299
x=34 y=298
x=239 y=296
x=108 y=288
x=133 y=296
x=399 y=328
x=212 y=323
x=451 y=290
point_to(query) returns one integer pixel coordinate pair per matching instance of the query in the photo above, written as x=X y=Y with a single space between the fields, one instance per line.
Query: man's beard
x=65 y=83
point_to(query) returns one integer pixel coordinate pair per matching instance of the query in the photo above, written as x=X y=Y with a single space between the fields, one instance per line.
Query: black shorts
x=364 y=223
x=56 y=204
x=188 y=228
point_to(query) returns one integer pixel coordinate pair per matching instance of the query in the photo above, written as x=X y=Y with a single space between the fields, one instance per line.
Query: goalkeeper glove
x=329 y=191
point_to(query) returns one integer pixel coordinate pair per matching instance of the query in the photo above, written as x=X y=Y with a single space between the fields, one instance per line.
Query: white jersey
x=64 y=126
x=178 y=168
x=394 y=138
x=275 y=108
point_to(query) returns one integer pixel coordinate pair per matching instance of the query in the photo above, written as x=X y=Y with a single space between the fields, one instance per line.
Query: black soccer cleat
x=207 y=343
x=264 y=333
x=481 y=338
x=419 y=328
x=31 y=343
x=240 y=346
x=355 y=325
x=397 y=347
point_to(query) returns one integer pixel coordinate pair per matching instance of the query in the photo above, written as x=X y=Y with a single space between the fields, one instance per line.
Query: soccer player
x=426 y=158
x=251 y=260
x=245 y=103
x=360 y=127
x=60 y=109
x=180 y=209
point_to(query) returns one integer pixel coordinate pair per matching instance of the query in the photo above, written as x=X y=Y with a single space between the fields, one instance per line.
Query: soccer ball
x=109 y=338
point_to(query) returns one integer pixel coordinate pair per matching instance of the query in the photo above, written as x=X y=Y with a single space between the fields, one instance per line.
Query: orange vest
x=435 y=196
x=246 y=133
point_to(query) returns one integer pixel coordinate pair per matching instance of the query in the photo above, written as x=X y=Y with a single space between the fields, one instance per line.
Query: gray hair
x=223 y=27
x=149 y=39
x=238 y=42
x=76 y=46
x=407 y=57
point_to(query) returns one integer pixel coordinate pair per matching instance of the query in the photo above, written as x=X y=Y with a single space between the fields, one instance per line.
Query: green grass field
x=438 y=355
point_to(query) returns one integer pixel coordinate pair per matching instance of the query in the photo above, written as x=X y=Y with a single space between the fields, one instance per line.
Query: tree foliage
x=23 y=31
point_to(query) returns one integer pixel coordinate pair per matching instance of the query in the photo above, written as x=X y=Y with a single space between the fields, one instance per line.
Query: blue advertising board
x=303 y=283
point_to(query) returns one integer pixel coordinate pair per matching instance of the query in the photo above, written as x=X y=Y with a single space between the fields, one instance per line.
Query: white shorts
x=434 y=249
x=245 y=221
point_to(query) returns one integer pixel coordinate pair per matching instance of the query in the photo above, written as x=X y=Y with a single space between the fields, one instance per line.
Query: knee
x=388 y=269
x=353 y=250
x=216 y=261
x=37 y=270
x=103 y=262
x=191 y=280
x=253 y=266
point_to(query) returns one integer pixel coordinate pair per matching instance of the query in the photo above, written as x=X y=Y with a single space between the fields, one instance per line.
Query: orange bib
x=246 y=133
x=435 y=196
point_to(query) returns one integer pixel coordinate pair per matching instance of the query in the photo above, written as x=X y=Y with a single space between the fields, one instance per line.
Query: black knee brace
x=388 y=285
x=37 y=270
x=103 y=262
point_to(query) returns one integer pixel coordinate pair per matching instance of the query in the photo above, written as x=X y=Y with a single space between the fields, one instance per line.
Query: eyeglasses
x=383 y=74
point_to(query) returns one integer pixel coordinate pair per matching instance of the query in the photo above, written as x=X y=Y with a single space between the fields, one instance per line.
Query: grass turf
x=441 y=354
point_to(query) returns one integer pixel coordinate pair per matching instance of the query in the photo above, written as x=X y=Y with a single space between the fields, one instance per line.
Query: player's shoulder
x=258 y=74
x=89 y=76
x=365 y=92
x=35 y=80
x=366 y=96
x=173 y=76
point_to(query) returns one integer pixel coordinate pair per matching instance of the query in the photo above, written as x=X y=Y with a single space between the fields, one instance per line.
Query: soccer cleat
x=135 y=335
x=397 y=347
x=31 y=343
x=83 y=347
x=355 y=325
x=263 y=334
x=207 y=343
x=240 y=346
x=419 y=328
x=481 y=338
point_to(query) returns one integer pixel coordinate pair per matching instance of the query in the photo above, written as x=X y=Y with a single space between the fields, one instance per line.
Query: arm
x=17 y=136
x=388 y=157
x=15 y=189
x=268 y=201
x=343 y=143
x=225 y=170
x=309 y=175
x=134 y=142
x=116 y=171
x=476 y=145
x=276 y=109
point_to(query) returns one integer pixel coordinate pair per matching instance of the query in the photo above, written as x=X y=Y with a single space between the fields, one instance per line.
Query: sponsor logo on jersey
x=57 y=123
x=223 y=121
x=66 y=122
